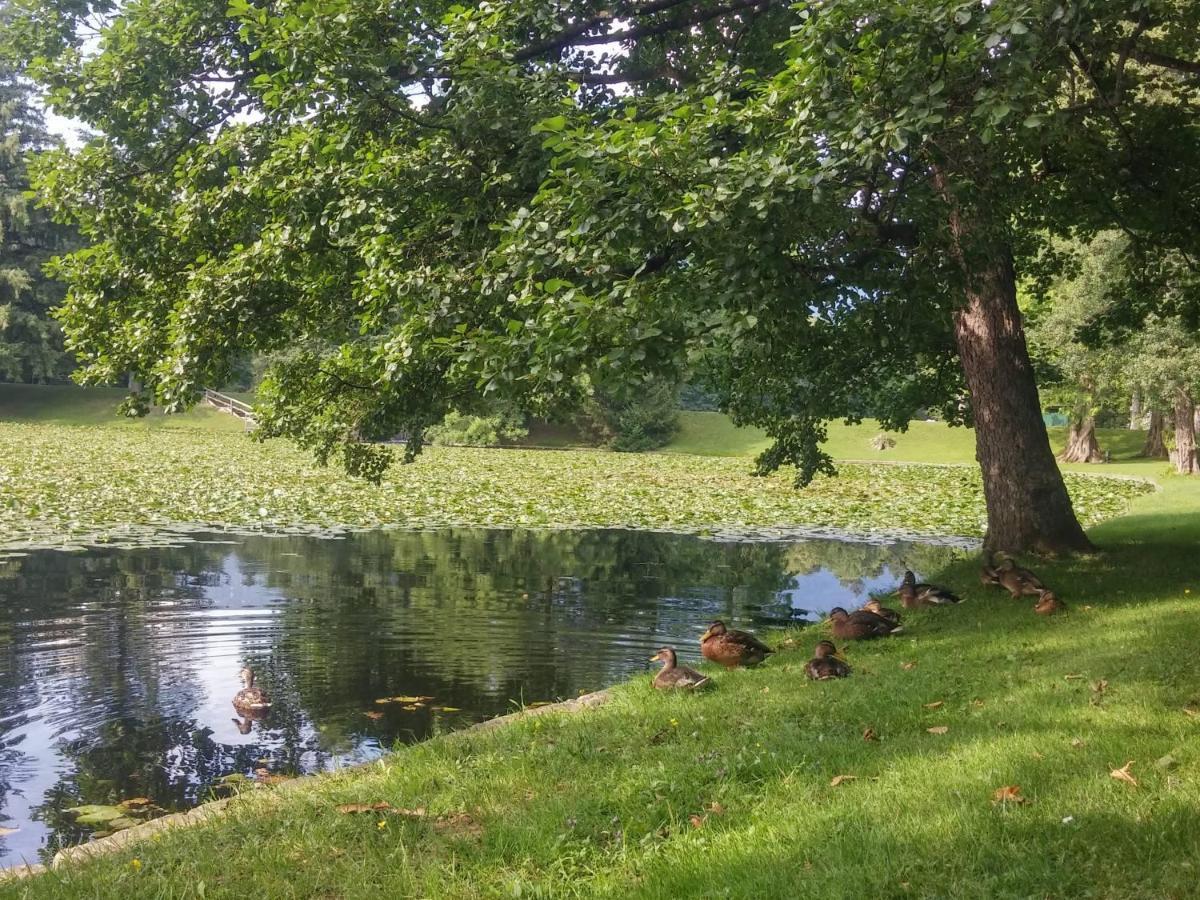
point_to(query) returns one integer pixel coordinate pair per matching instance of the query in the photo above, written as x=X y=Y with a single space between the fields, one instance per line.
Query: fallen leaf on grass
x=1073 y=677
x=936 y=704
x=870 y=735
x=697 y=821
x=1194 y=713
x=838 y=779
x=381 y=806
x=715 y=808
x=1010 y=793
x=1099 y=687
x=908 y=666
x=459 y=825
x=938 y=729
x=1076 y=743
x=1123 y=774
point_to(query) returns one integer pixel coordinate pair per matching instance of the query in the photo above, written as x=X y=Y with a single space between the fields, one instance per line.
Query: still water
x=118 y=667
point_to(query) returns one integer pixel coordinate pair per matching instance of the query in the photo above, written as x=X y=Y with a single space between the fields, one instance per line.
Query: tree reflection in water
x=118 y=666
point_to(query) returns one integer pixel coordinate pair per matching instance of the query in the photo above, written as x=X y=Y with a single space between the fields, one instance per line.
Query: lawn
x=735 y=792
x=70 y=405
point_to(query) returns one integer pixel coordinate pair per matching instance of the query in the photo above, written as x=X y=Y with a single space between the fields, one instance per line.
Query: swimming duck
x=874 y=606
x=860 y=626
x=826 y=663
x=674 y=676
x=250 y=698
x=914 y=595
x=1048 y=604
x=732 y=648
x=1016 y=580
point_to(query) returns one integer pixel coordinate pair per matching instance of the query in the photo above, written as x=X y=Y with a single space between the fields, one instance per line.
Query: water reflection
x=118 y=667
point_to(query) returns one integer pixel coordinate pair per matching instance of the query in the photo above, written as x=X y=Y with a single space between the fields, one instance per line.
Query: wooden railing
x=228 y=404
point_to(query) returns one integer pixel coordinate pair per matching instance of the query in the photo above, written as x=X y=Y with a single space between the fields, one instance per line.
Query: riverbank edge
x=214 y=808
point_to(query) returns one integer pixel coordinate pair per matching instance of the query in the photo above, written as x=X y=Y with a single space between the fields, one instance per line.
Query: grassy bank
x=732 y=794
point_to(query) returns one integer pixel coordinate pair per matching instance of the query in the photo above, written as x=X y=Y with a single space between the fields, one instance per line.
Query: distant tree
x=1164 y=363
x=31 y=344
x=1082 y=378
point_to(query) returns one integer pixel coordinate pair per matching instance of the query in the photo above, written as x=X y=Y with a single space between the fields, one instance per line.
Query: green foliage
x=466 y=430
x=644 y=417
x=31 y=345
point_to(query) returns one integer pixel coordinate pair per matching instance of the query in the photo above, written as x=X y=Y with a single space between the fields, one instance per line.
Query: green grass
x=97 y=407
x=599 y=804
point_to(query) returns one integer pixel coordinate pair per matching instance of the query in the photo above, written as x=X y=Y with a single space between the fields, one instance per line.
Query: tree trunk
x=1136 y=415
x=1155 y=446
x=1028 y=507
x=1186 y=462
x=1082 y=446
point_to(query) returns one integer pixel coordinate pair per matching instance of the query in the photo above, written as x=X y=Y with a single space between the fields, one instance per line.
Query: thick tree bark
x=1082 y=446
x=1028 y=507
x=1155 y=446
x=1186 y=462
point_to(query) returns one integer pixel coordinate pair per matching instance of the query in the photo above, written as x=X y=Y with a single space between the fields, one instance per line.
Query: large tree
x=31 y=346
x=824 y=206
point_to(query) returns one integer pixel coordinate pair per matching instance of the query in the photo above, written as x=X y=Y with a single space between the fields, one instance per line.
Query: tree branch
x=1163 y=61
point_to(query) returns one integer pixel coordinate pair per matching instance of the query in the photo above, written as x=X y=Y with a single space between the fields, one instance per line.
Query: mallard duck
x=732 y=648
x=1007 y=574
x=1048 y=604
x=673 y=676
x=914 y=595
x=250 y=698
x=860 y=626
x=874 y=606
x=826 y=663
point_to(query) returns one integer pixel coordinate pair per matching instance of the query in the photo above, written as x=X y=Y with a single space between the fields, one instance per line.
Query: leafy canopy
x=426 y=204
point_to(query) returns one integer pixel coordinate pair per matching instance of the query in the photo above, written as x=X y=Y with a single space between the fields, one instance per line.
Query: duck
x=673 y=676
x=1018 y=581
x=860 y=626
x=914 y=595
x=827 y=662
x=1048 y=604
x=250 y=698
x=874 y=606
x=732 y=648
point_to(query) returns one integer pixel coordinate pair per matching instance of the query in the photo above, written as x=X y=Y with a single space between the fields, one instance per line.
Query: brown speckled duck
x=1018 y=581
x=861 y=626
x=1048 y=604
x=826 y=663
x=250 y=699
x=874 y=606
x=914 y=595
x=673 y=676
x=731 y=648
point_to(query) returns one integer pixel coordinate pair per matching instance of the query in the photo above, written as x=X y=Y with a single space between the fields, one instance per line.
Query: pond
x=118 y=666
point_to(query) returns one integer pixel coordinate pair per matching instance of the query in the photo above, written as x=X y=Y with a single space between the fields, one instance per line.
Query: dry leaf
x=870 y=735
x=459 y=825
x=908 y=666
x=1010 y=793
x=935 y=704
x=1072 y=677
x=457 y=709
x=1099 y=687
x=373 y=714
x=715 y=808
x=4 y=832
x=347 y=808
x=938 y=729
x=1076 y=743
x=697 y=821
x=977 y=703
x=1194 y=713
x=1123 y=774
x=838 y=779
